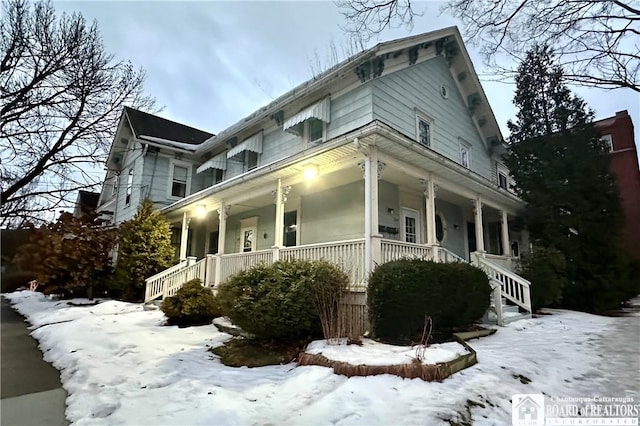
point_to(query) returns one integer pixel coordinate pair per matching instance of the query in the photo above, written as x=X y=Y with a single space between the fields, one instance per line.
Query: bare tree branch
x=595 y=41
x=61 y=96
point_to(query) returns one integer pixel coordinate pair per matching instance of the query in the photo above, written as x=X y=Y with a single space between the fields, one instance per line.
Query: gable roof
x=461 y=68
x=145 y=124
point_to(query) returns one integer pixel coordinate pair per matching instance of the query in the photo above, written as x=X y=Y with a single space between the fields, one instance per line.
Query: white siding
x=397 y=97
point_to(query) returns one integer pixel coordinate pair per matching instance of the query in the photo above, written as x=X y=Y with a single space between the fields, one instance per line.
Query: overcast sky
x=210 y=64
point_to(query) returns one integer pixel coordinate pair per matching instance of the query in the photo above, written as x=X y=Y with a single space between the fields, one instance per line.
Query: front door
x=411 y=225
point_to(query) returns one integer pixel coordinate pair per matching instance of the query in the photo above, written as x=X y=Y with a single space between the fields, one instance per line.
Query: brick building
x=617 y=132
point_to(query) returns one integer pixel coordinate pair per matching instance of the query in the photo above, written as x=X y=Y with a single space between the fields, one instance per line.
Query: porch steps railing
x=506 y=285
x=169 y=281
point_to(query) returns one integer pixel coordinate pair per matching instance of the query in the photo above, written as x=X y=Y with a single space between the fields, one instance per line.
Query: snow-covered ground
x=121 y=366
x=375 y=353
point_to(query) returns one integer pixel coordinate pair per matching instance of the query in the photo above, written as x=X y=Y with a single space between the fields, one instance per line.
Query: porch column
x=222 y=226
x=281 y=198
x=372 y=169
x=506 y=245
x=184 y=236
x=479 y=227
x=430 y=210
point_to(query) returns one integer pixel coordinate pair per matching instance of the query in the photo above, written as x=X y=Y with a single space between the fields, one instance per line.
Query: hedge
x=402 y=292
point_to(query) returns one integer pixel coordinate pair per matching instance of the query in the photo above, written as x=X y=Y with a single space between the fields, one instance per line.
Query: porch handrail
x=447 y=256
x=512 y=287
x=154 y=285
x=188 y=273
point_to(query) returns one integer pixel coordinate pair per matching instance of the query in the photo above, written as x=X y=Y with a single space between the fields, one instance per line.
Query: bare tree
x=61 y=96
x=596 y=41
x=353 y=45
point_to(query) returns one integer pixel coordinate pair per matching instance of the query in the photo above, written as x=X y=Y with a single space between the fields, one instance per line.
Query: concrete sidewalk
x=30 y=390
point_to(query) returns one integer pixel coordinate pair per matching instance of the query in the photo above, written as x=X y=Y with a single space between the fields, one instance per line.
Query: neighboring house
x=150 y=157
x=393 y=152
x=86 y=203
x=617 y=134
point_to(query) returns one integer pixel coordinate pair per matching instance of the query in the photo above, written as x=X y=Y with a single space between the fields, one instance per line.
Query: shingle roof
x=145 y=124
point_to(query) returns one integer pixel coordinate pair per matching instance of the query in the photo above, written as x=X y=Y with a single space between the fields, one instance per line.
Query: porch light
x=311 y=172
x=200 y=211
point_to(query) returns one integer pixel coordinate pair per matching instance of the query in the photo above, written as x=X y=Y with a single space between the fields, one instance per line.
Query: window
x=248 y=234
x=250 y=160
x=315 y=131
x=218 y=175
x=127 y=199
x=423 y=130
x=179 y=182
x=290 y=228
x=465 y=154
x=411 y=225
x=502 y=180
x=607 y=143
x=502 y=176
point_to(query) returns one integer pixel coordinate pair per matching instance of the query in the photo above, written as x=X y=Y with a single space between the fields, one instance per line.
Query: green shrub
x=193 y=304
x=276 y=302
x=144 y=250
x=402 y=292
x=546 y=268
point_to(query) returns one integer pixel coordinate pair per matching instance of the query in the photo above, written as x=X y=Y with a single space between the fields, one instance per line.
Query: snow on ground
x=120 y=365
x=375 y=353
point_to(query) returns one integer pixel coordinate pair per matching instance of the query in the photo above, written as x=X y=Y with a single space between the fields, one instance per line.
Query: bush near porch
x=193 y=304
x=278 y=301
x=402 y=293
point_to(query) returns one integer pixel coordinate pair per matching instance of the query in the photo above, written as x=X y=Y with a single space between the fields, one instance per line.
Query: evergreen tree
x=561 y=172
x=144 y=250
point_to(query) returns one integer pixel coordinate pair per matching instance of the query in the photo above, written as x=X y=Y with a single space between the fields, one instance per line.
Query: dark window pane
x=502 y=181
x=315 y=130
x=178 y=189
x=252 y=160
x=290 y=228
x=424 y=133
x=439 y=229
x=218 y=175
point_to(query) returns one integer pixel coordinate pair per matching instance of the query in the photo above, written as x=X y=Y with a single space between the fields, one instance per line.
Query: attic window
x=320 y=110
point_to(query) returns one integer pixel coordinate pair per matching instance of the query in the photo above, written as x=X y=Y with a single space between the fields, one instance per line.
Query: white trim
x=420 y=116
x=172 y=164
x=320 y=110
x=217 y=162
x=252 y=143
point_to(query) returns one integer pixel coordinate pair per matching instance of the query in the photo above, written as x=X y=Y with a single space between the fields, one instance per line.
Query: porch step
x=510 y=313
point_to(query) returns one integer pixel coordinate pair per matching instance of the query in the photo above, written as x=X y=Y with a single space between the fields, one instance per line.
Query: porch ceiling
x=407 y=163
x=254 y=189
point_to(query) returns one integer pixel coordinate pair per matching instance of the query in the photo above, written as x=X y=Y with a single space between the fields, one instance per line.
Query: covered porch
x=358 y=202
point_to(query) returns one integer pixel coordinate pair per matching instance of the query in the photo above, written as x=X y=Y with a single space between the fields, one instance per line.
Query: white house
x=393 y=152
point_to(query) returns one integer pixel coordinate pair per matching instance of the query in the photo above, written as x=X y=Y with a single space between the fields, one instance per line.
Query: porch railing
x=512 y=287
x=348 y=255
x=393 y=250
x=233 y=263
x=447 y=256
